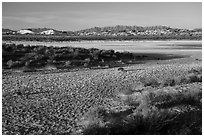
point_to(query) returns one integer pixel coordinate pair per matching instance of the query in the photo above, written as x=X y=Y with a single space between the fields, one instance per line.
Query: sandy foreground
x=66 y=97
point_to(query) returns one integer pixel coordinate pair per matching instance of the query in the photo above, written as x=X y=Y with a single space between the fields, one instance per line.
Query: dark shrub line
x=79 y=38
x=34 y=57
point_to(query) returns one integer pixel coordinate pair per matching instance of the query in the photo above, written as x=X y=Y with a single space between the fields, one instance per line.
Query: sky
x=82 y=15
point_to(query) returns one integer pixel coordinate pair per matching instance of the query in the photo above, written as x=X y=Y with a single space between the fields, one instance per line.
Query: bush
x=196 y=71
x=154 y=115
x=149 y=122
x=86 y=64
x=94 y=117
x=172 y=81
x=189 y=78
x=194 y=78
x=169 y=82
x=67 y=63
x=10 y=63
x=153 y=82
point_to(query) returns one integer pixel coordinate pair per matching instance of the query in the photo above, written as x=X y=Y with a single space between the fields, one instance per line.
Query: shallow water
x=179 y=46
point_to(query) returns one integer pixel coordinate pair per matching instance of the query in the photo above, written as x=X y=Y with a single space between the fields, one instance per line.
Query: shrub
x=67 y=63
x=189 y=78
x=149 y=121
x=86 y=64
x=153 y=82
x=169 y=82
x=153 y=115
x=194 y=78
x=176 y=80
x=170 y=96
x=10 y=63
x=95 y=117
x=196 y=71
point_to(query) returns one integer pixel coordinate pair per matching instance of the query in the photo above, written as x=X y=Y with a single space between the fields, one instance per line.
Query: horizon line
x=102 y=27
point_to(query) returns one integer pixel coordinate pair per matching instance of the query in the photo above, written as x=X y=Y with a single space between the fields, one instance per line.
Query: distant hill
x=48 y=31
x=118 y=30
x=121 y=30
x=8 y=31
x=39 y=30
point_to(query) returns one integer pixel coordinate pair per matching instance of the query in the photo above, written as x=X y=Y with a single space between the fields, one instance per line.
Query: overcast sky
x=76 y=16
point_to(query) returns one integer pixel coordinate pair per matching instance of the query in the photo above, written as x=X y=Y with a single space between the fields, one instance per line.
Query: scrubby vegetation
x=15 y=56
x=80 y=38
x=164 y=108
x=191 y=77
x=31 y=58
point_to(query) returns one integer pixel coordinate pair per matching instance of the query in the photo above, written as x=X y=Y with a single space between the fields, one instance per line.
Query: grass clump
x=191 y=77
x=151 y=121
x=153 y=82
x=161 y=112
